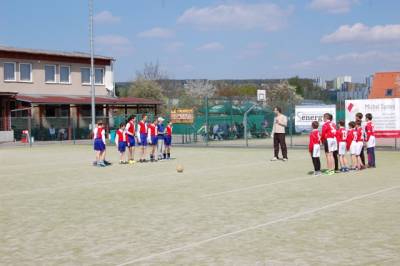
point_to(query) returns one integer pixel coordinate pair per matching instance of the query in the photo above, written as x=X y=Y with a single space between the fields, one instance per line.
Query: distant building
x=53 y=88
x=329 y=84
x=385 y=85
x=369 y=80
x=338 y=82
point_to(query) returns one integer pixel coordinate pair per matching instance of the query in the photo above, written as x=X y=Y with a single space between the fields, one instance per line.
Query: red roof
x=51 y=99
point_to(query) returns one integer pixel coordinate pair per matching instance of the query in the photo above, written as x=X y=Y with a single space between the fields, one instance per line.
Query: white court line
x=283 y=219
x=52 y=189
x=266 y=185
x=257 y=186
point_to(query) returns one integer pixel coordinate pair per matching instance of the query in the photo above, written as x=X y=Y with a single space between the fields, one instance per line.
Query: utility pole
x=92 y=92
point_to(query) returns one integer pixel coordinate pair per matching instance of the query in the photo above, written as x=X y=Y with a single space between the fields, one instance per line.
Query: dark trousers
x=279 y=139
x=362 y=156
x=317 y=163
x=371 y=156
x=335 y=157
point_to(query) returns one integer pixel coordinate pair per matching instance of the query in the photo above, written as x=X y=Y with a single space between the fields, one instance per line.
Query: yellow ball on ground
x=179 y=168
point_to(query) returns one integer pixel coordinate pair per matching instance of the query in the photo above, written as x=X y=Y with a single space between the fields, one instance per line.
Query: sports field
x=231 y=206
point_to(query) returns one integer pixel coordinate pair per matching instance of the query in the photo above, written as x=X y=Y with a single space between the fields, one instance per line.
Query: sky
x=217 y=39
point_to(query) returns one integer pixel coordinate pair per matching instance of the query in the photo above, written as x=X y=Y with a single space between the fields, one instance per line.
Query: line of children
x=144 y=134
x=341 y=141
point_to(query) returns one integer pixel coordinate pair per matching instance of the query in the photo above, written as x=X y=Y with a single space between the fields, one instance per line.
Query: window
x=85 y=75
x=25 y=72
x=65 y=74
x=9 y=72
x=99 y=76
x=50 y=73
x=389 y=92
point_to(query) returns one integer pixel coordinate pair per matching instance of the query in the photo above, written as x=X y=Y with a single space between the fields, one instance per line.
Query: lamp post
x=92 y=91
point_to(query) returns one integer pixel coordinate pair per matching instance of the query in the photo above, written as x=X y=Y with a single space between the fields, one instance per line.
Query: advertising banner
x=306 y=114
x=385 y=113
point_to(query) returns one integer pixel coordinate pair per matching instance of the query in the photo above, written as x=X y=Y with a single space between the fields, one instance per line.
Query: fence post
x=245 y=124
x=73 y=132
x=206 y=129
x=30 y=127
x=290 y=126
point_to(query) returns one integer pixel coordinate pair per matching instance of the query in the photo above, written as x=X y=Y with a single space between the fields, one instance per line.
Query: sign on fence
x=182 y=116
x=385 y=113
x=306 y=114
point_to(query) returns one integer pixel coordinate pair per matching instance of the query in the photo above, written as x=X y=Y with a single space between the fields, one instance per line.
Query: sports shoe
x=131 y=161
x=101 y=164
x=107 y=163
x=284 y=159
x=317 y=173
x=330 y=172
x=274 y=159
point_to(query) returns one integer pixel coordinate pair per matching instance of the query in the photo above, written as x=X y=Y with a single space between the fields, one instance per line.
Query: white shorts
x=332 y=144
x=355 y=148
x=371 y=142
x=316 y=152
x=342 y=148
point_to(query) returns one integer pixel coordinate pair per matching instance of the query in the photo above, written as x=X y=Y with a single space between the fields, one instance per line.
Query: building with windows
x=385 y=85
x=339 y=81
x=53 y=89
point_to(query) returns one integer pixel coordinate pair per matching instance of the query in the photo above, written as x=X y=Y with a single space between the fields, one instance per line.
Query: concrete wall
x=39 y=86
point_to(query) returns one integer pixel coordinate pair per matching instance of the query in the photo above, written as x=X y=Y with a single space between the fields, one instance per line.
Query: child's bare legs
x=131 y=151
x=330 y=162
x=343 y=161
x=143 y=156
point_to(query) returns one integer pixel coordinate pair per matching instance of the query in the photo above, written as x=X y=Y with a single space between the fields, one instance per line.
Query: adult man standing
x=278 y=132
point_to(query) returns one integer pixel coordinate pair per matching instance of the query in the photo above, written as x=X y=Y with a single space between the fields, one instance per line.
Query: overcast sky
x=217 y=39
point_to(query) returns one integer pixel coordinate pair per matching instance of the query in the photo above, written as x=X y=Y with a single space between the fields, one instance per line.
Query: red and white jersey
x=142 y=127
x=328 y=130
x=152 y=130
x=351 y=136
x=99 y=133
x=169 y=130
x=360 y=134
x=369 y=130
x=120 y=136
x=341 y=134
x=315 y=138
x=130 y=128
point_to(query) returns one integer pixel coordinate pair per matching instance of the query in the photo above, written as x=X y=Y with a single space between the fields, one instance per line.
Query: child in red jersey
x=99 y=142
x=121 y=142
x=328 y=138
x=341 y=136
x=359 y=117
x=370 y=138
x=130 y=131
x=168 y=141
x=360 y=144
x=152 y=139
x=352 y=144
x=315 y=148
x=142 y=137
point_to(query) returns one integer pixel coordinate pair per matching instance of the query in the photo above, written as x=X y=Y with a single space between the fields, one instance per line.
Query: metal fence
x=219 y=122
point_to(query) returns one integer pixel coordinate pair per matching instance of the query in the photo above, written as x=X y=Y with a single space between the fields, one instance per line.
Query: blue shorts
x=154 y=140
x=122 y=146
x=131 y=141
x=143 y=139
x=99 y=145
x=168 y=140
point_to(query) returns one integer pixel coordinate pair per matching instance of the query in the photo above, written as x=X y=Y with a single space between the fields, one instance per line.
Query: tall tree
x=282 y=95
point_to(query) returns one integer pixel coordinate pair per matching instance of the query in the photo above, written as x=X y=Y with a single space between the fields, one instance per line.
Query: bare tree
x=151 y=72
